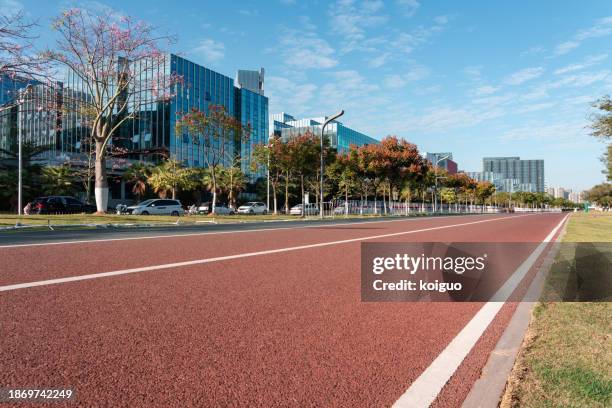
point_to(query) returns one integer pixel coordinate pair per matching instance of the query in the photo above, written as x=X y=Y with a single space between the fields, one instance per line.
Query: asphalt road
x=267 y=315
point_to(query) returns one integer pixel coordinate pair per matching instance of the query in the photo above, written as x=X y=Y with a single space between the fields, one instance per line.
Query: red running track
x=278 y=329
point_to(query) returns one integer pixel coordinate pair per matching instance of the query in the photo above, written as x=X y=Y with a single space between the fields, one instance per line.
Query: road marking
x=195 y=234
x=237 y=256
x=424 y=390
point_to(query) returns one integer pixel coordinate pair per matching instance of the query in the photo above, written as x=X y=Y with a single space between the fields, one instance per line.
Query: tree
x=601 y=127
x=484 y=190
x=137 y=175
x=272 y=157
x=58 y=180
x=170 y=176
x=219 y=133
x=232 y=180
x=118 y=61
x=601 y=194
x=16 y=56
x=304 y=152
x=343 y=171
x=31 y=166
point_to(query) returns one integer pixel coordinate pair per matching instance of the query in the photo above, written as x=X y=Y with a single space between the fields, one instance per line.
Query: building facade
x=153 y=127
x=443 y=160
x=341 y=137
x=529 y=173
x=251 y=80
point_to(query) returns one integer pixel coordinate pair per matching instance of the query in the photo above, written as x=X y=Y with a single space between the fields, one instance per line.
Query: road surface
x=265 y=316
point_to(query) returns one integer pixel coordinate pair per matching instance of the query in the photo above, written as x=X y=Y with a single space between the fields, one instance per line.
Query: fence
x=398 y=208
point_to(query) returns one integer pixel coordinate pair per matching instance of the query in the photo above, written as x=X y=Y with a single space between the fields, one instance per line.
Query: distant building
x=278 y=122
x=251 y=80
x=529 y=173
x=577 y=197
x=443 y=160
x=484 y=176
x=341 y=137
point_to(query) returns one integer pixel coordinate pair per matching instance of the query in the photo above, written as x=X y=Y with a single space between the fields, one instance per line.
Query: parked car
x=309 y=209
x=220 y=209
x=60 y=205
x=157 y=206
x=253 y=207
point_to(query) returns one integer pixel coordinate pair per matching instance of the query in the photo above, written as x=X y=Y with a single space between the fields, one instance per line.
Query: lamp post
x=436 y=181
x=270 y=139
x=22 y=97
x=20 y=101
x=327 y=121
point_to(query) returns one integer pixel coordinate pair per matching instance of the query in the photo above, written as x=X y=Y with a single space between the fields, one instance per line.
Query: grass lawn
x=11 y=219
x=566 y=358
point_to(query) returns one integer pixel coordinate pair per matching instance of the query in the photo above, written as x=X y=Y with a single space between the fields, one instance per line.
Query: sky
x=476 y=78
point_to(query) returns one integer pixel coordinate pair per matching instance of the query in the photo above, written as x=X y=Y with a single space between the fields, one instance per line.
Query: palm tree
x=233 y=181
x=137 y=175
x=170 y=176
x=58 y=180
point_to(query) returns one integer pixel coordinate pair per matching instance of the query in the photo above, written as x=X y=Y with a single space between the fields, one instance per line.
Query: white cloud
x=566 y=47
x=346 y=89
x=590 y=61
x=409 y=7
x=581 y=79
x=399 y=80
x=289 y=96
x=305 y=50
x=379 y=61
x=485 y=90
x=524 y=75
x=600 y=28
x=209 y=49
x=351 y=18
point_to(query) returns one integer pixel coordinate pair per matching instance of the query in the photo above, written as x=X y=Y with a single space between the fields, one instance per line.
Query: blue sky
x=478 y=78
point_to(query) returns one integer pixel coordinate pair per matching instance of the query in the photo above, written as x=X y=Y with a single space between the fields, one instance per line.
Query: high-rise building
x=526 y=171
x=443 y=160
x=251 y=80
x=341 y=137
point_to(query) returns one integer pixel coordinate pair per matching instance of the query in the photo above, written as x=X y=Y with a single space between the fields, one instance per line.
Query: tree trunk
x=287 y=193
x=346 y=200
x=101 y=185
x=302 y=189
x=274 y=198
x=214 y=190
x=174 y=193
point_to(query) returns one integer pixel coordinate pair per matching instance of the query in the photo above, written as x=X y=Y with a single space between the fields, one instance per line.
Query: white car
x=309 y=209
x=253 y=207
x=222 y=209
x=157 y=207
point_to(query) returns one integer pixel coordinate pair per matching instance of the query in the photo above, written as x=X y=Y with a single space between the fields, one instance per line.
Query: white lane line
x=424 y=390
x=195 y=234
x=237 y=256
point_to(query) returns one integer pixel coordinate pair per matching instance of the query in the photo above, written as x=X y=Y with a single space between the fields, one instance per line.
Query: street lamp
x=436 y=181
x=270 y=139
x=327 y=121
x=20 y=101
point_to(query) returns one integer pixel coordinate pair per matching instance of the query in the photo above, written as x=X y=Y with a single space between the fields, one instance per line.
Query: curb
x=489 y=389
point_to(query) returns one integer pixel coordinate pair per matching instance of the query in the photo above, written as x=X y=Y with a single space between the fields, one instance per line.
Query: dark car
x=60 y=205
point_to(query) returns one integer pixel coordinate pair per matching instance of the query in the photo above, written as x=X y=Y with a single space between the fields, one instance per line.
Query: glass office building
x=153 y=128
x=253 y=112
x=529 y=173
x=341 y=137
